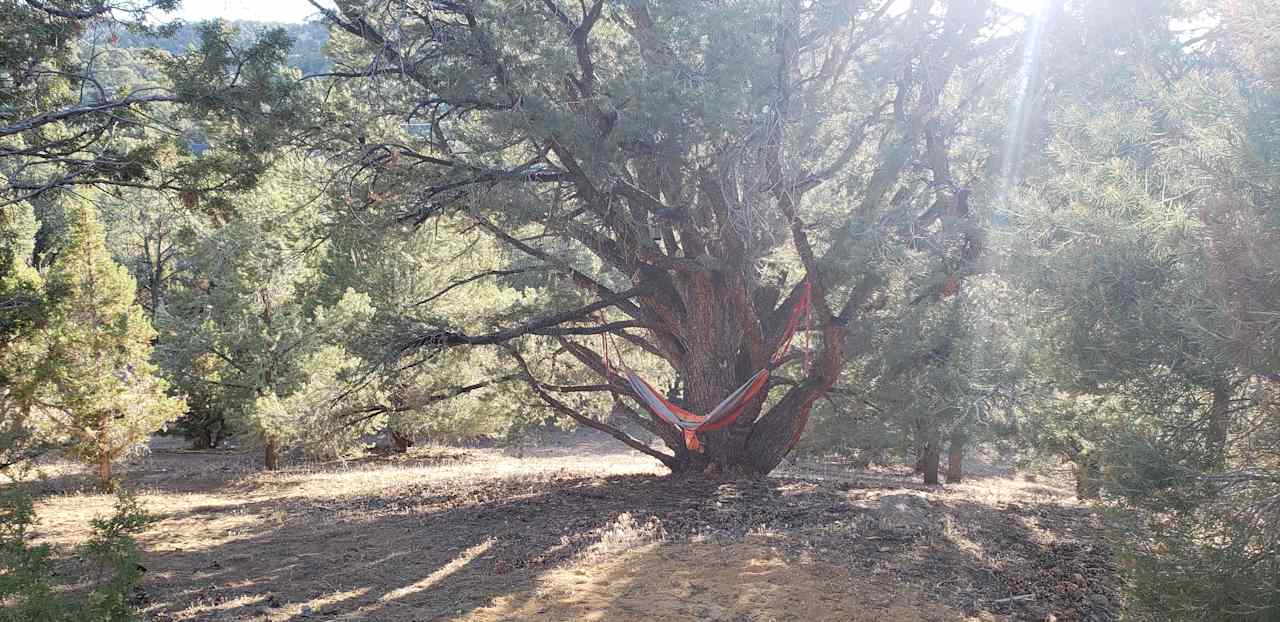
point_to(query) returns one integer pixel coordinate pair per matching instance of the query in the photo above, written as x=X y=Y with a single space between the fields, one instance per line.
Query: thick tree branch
x=369 y=412
x=81 y=110
x=578 y=276
x=543 y=325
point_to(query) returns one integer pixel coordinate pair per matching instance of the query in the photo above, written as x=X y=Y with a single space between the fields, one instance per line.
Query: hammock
x=731 y=407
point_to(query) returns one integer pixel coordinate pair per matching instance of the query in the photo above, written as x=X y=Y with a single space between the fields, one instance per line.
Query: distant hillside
x=306 y=55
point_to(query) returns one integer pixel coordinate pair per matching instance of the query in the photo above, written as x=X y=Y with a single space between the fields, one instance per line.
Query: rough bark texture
x=955 y=457
x=1219 y=426
x=271 y=454
x=932 y=461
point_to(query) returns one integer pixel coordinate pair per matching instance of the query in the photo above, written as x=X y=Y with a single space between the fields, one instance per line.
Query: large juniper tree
x=686 y=166
x=1153 y=256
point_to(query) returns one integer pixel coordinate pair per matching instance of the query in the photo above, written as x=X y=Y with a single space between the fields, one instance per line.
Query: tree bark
x=104 y=472
x=1219 y=426
x=713 y=358
x=753 y=446
x=271 y=455
x=104 y=454
x=955 y=456
x=401 y=441
x=932 y=457
x=1088 y=476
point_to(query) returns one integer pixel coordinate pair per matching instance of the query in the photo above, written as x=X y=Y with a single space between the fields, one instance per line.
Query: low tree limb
x=81 y=110
x=566 y=410
x=471 y=279
x=542 y=325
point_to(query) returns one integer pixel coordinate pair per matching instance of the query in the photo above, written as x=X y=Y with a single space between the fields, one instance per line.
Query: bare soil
x=584 y=532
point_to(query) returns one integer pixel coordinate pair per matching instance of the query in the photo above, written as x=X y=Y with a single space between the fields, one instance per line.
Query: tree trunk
x=753 y=446
x=271 y=454
x=955 y=456
x=208 y=435
x=104 y=472
x=401 y=441
x=932 y=460
x=104 y=454
x=157 y=280
x=720 y=345
x=214 y=433
x=1088 y=477
x=1219 y=426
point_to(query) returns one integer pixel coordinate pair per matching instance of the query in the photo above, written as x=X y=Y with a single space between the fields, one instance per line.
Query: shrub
x=29 y=588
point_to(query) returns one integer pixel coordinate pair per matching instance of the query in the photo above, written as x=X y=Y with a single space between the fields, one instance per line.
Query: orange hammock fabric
x=729 y=409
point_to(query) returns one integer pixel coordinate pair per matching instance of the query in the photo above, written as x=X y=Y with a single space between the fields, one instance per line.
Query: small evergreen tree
x=97 y=387
x=31 y=590
x=242 y=327
x=22 y=311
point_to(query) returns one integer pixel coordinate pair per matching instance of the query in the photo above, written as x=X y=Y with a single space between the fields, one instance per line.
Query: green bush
x=1198 y=545
x=29 y=588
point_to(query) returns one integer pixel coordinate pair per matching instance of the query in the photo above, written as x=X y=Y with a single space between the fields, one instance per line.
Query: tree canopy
x=1048 y=234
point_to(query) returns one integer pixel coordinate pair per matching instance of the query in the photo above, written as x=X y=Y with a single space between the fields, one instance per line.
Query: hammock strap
x=793 y=323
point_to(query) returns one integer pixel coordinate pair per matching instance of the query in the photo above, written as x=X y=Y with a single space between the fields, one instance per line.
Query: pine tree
x=98 y=387
x=242 y=331
x=57 y=132
x=22 y=312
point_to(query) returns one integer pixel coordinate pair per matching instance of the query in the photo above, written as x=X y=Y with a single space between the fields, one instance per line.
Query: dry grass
x=748 y=581
x=584 y=532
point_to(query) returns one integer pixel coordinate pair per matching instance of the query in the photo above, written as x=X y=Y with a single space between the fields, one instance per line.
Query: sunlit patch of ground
x=587 y=532
x=738 y=582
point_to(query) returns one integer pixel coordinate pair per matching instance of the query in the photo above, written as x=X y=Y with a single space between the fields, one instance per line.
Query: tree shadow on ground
x=1025 y=559
x=171 y=470
x=431 y=553
x=468 y=549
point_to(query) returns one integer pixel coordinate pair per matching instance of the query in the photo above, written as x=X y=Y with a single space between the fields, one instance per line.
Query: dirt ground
x=588 y=532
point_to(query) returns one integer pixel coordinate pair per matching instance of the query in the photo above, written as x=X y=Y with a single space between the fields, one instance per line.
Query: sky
x=258 y=10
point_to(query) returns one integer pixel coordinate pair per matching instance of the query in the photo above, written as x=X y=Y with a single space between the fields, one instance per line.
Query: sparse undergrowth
x=481 y=535
x=101 y=587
